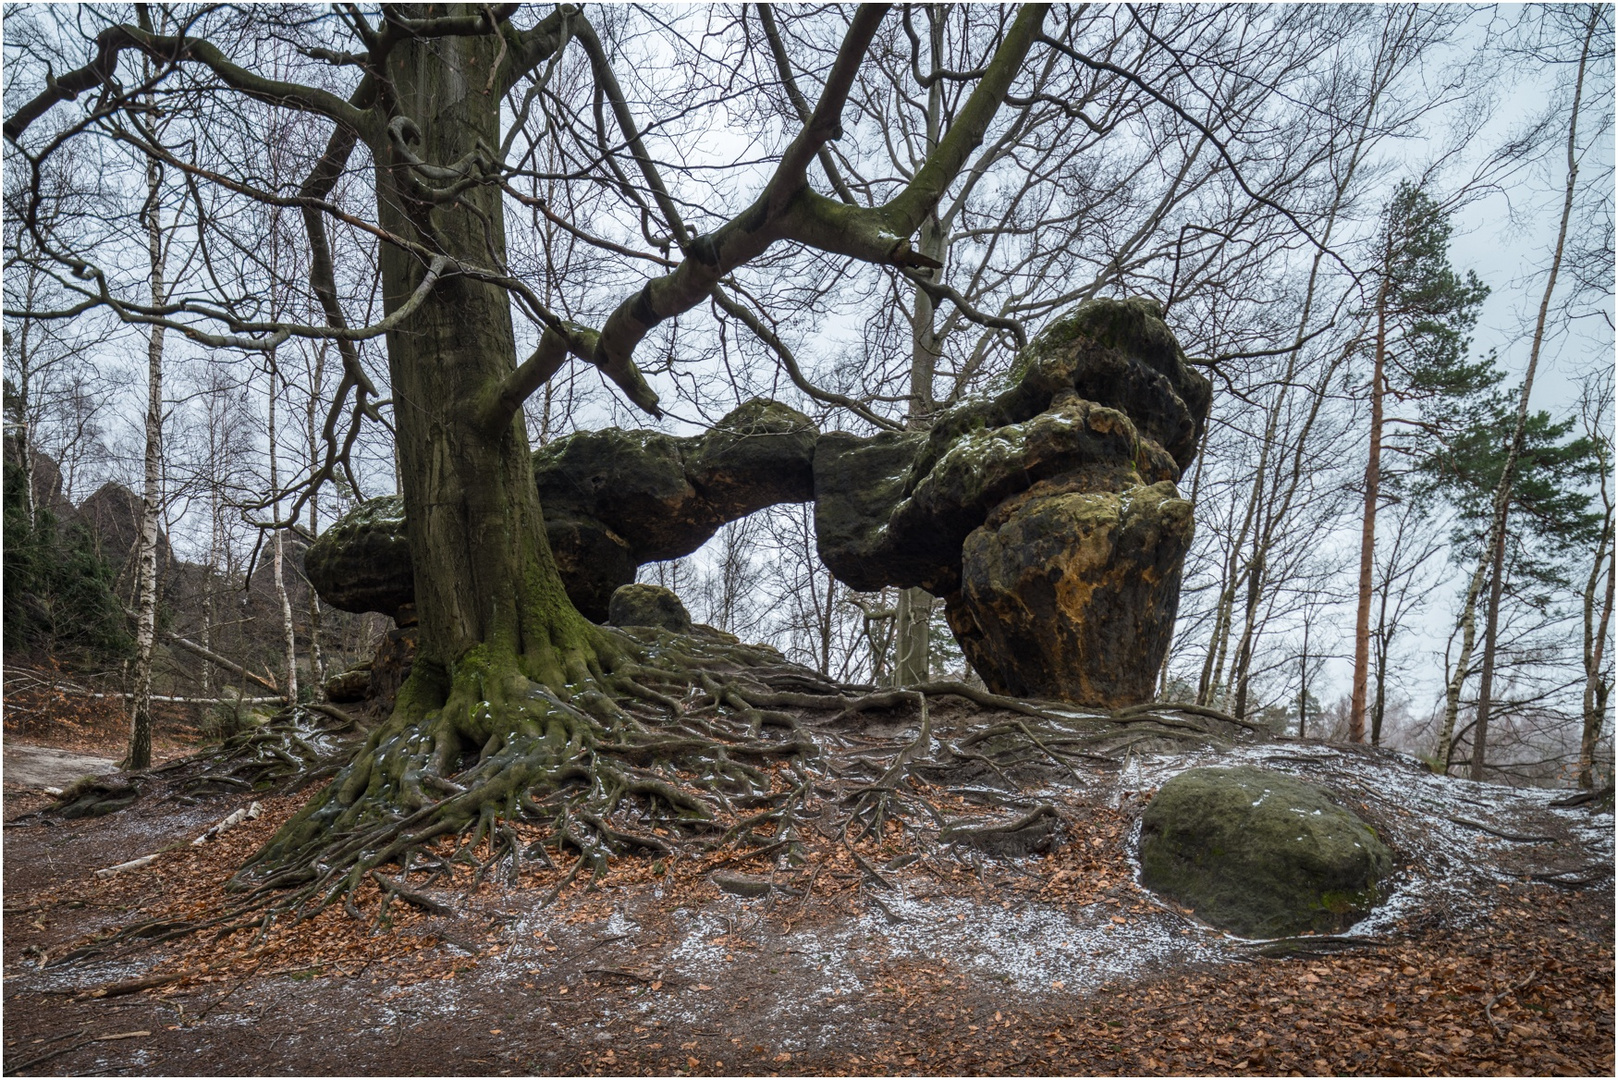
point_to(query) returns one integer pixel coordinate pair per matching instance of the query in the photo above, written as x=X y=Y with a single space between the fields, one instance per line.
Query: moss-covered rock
x=612 y=500
x=641 y=604
x=1070 y=590
x=1259 y=853
x=362 y=561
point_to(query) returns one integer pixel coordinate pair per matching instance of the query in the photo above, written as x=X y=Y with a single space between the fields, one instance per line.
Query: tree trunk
x=1463 y=664
x=1497 y=567
x=1595 y=641
x=1303 y=683
x=501 y=650
x=912 y=629
x=140 y=717
x=317 y=659
x=487 y=589
x=289 y=639
x=1373 y=483
x=1502 y=498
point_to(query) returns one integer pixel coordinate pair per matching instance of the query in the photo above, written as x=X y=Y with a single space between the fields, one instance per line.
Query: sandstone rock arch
x=1047 y=515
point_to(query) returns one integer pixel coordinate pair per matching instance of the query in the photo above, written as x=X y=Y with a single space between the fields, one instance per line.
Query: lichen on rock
x=1071 y=593
x=1260 y=853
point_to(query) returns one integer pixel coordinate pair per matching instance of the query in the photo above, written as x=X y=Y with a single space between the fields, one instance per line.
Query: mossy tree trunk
x=499 y=642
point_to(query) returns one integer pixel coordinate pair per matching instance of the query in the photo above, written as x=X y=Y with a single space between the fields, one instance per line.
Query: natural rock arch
x=1047 y=515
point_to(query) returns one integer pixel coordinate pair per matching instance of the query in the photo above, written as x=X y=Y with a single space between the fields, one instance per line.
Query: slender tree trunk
x=1468 y=623
x=1303 y=682
x=1373 y=484
x=913 y=612
x=1379 y=699
x=317 y=659
x=1502 y=497
x=140 y=729
x=289 y=639
x=25 y=425
x=1595 y=641
x=1244 y=652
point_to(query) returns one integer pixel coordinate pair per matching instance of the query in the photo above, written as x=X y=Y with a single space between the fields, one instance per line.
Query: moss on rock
x=642 y=604
x=1259 y=853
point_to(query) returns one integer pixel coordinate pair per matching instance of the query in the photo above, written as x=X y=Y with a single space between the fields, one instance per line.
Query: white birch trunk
x=140 y=727
x=289 y=639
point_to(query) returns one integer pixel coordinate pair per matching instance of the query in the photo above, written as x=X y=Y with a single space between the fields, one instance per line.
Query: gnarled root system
x=682 y=746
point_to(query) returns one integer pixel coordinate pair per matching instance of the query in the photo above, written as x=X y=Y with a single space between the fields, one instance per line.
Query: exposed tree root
x=683 y=746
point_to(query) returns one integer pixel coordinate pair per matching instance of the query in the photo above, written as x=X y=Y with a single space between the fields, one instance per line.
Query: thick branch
x=745 y=237
x=110 y=43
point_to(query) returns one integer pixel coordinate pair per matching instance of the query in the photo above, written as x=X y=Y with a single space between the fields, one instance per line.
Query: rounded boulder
x=1259 y=853
x=641 y=604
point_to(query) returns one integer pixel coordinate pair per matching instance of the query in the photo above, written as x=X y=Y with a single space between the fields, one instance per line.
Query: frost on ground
x=657 y=968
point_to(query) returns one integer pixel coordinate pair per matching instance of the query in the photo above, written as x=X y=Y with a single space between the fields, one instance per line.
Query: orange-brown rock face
x=1070 y=593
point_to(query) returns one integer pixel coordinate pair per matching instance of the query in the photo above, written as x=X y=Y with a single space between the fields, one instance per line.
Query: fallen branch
x=132 y=986
x=230 y=821
x=133 y=864
x=1488 y=1006
x=14 y=1070
x=217 y=660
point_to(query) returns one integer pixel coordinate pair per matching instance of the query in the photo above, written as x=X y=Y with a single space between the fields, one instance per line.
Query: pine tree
x=1423 y=311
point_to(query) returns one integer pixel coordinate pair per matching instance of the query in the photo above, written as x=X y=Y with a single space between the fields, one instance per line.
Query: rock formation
x=1260 y=853
x=612 y=500
x=1046 y=515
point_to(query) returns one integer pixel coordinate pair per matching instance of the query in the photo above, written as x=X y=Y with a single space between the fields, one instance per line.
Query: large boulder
x=1046 y=516
x=362 y=561
x=643 y=604
x=1259 y=853
x=895 y=509
x=1070 y=592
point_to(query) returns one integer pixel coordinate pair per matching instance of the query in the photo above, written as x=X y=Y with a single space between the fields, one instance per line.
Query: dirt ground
x=1057 y=963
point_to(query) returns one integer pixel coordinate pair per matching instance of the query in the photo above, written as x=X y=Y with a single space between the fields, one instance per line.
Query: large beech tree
x=505 y=662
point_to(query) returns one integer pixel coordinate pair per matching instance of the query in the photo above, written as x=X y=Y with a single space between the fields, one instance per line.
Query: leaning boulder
x=1259 y=853
x=1046 y=516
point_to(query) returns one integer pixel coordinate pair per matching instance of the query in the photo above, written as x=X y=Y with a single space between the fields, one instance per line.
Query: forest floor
x=1493 y=955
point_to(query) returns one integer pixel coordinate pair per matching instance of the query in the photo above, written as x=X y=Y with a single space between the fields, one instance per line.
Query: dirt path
x=37 y=767
x=1052 y=964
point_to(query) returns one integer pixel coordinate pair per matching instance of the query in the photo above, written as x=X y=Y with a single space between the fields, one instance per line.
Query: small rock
x=751 y=886
x=648 y=605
